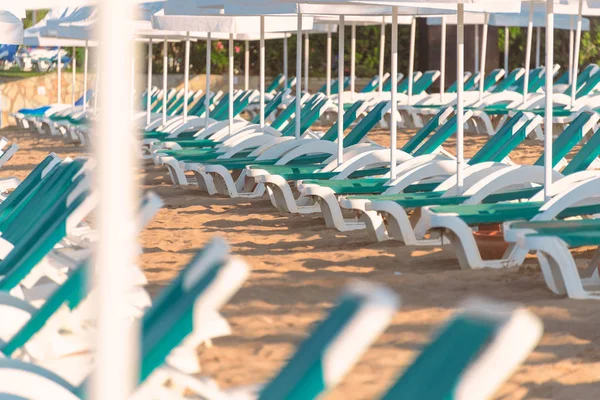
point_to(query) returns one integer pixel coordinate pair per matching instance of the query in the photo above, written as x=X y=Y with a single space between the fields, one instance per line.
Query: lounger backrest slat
x=471 y=83
x=452 y=88
x=425 y=131
x=515 y=140
x=403 y=85
x=438 y=138
x=274 y=84
x=350 y=115
x=492 y=78
x=509 y=80
x=586 y=155
x=425 y=81
x=572 y=135
x=496 y=142
x=363 y=127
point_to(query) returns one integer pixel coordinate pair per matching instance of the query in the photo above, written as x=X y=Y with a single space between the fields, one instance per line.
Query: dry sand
x=299 y=267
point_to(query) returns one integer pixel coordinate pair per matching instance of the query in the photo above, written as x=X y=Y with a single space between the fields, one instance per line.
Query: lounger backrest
x=200 y=289
x=466 y=77
x=471 y=83
x=373 y=84
x=25 y=188
x=307 y=118
x=572 y=135
x=198 y=108
x=71 y=292
x=387 y=86
x=563 y=79
x=220 y=107
x=271 y=106
x=322 y=360
x=403 y=85
x=582 y=77
x=472 y=355
x=534 y=75
x=492 y=78
x=223 y=112
x=589 y=85
x=274 y=84
x=502 y=137
x=47 y=231
x=360 y=131
x=88 y=96
x=241 y=103
x=291 y=82
x=439 y=137
x=509 y=80
x=585 y=156
x=425 y=81
x=350 y=115
x=290 y=111
x=515 y=140
x=427 y=129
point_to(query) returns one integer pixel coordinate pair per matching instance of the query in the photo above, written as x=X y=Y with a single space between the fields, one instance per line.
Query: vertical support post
x=165 y=88
x=186 y=77
x=85 y=75
x=328 y=72
x=207 y=96
x=548 y=136
x=73 y=74
x=340 y=113
x=298 y=76
x=247 y=65
x=460 y=73
x=148 y=97
x=353 y=61
x=59 y=66
x=476 y=31
x=483 y=55
x=262 y=71
x=528 y=53
x=231 y=87
x=570 y=53
x=411 y=60
x=115 y=373
x=506 y=49
x=574 y=87
x=394 y=94
x=538 y=46
x=381 y=54
x=285 y=63
x=306 y=61
x=443 y=60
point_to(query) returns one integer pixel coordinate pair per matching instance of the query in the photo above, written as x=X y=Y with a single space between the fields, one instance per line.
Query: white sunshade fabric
x=11 y=28
x=38 y=35
x=561 y=21
x=361 y=20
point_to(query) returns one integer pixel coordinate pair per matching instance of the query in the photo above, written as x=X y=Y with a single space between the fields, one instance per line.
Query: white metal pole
x=165 y=83
x=207 y=93
x=306 y=61
x=148 y=97
x=59 y=66
x=483 y=55
x=285 y=63
x=85 y=75
x=328 y=67
x=506 y=48
x=443 y=60
x=353 y=61
x=548 y=137
x=538 y=46
x=73 y=73
x=298 y=76
x=115 y=252
x=476 y=31
x=411 y=59
x=231 y=83
x=394 y=93
x=262 y=71
x=133 y=85
x=97 y=84
x=570 y=53
x=186 y=77
x=247 y=65
x=574 y=87
x=381 y=54
x=528 y=52
x=340 y=113
x=460 y=72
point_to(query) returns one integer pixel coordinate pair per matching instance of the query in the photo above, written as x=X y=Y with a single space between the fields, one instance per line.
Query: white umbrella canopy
x=11 y=28
x=512 y=19
x=16 y=11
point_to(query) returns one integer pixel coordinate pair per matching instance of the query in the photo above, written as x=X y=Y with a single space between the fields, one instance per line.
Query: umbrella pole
x=298 y=75
x=230 y=49
x=528 y=52
x=328 y=72
x=285 y=63
x=85 y=75
x=148 y=96
x=262 y=71
x=476 y=38
x=460 y=72
x=411 y=59
x=207 y=96
x=306 y=61
x=186 y=77
x=574 y=87
x=549 y=99
x=570 y=52
x=506 y=48
x=443 y=60
x=340 y=113
x=394 y=94
x=538 y=46
x=353 y=61
x=381 y=54
x=59 y=66
x=246 y=65
x=483 y=55
x=73 y=72
x=165 y=89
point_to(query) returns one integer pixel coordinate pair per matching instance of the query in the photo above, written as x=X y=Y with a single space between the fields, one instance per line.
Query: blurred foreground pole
x=115 y=374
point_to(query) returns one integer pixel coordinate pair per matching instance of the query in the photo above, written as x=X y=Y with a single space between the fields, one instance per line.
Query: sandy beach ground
x=299 y=267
